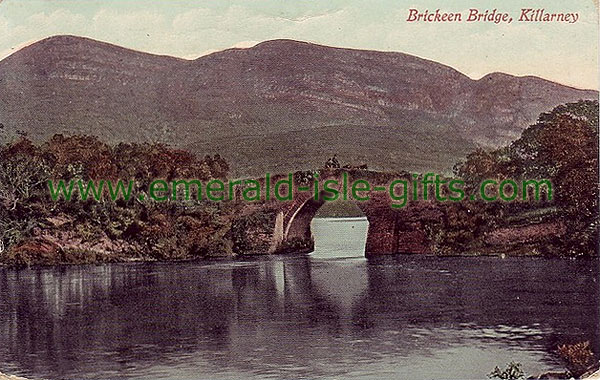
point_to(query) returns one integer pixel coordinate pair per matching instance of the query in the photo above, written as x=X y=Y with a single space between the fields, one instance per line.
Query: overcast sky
x=566 y=53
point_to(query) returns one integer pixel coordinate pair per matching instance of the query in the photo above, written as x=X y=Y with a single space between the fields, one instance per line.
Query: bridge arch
x=390 y=231
x=298 y=225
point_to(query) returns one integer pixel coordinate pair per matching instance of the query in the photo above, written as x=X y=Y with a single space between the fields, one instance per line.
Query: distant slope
x=280 y=105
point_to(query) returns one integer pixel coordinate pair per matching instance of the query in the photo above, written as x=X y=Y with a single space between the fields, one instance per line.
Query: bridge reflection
x=65 y=322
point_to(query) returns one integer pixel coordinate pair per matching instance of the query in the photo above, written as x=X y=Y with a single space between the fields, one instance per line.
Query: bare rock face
x=279 y=105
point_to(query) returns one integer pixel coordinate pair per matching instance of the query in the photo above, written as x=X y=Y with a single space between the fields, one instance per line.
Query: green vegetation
x=36 y=230
x=251 y=234
x=578 y=358
x=339 y=209
x=512 y=371
x=562 y=147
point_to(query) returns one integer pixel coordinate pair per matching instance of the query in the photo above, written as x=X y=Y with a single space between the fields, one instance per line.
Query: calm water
x=331 y=315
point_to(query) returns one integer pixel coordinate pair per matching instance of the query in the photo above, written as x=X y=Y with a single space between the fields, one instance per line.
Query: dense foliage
x=36 y=229
x=562 y=147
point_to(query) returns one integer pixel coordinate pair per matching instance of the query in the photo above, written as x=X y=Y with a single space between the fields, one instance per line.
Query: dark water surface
x=332 y=314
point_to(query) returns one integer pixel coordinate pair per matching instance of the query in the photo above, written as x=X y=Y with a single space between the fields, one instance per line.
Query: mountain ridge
x=70 y=84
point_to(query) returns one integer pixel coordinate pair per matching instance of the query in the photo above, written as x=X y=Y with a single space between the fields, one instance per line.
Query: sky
x=565 y=53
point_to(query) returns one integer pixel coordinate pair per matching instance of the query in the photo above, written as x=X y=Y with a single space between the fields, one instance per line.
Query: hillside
x=279 y=105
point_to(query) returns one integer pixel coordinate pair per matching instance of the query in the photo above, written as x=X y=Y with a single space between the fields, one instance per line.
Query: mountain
x=277 y=106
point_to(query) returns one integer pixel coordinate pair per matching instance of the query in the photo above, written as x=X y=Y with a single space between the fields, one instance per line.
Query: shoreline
x=587 y=376
x=242 y=258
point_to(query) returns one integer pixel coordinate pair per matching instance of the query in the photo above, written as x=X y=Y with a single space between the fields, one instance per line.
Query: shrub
x=577 y=357
x=512 y=371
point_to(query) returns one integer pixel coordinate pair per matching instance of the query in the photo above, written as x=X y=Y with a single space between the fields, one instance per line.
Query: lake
x=331 y=314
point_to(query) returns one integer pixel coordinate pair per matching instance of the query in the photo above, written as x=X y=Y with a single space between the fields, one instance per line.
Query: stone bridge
x=420 y=226
x=391 y=229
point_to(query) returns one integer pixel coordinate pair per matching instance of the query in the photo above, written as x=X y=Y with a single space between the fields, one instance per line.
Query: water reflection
x=409 y=316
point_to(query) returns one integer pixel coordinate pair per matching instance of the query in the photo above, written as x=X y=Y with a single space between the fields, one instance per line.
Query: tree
x=562 y=146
